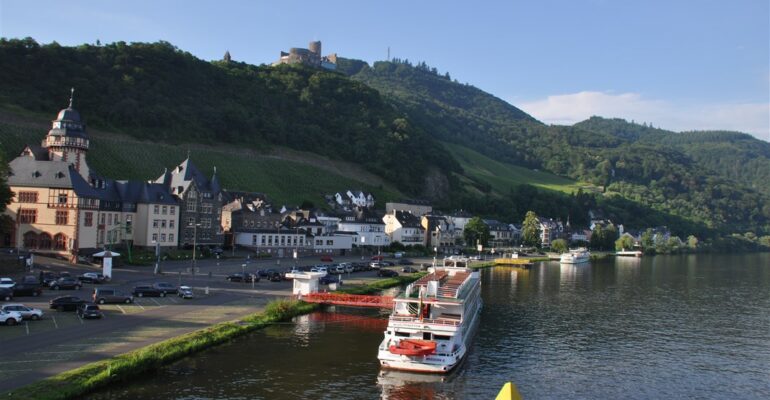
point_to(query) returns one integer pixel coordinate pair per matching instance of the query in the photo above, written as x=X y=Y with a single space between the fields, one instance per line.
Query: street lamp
x=157 y=256
x=195 y=243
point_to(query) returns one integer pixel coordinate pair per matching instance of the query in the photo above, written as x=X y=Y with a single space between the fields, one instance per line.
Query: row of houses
x=63 y=206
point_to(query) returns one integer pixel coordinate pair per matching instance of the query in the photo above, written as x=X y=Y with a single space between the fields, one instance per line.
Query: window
x=61 y=217
x=27 y=216
x=30 y=240
x=60 y=241
x=129 y=221
x=155 y=209
x=89 y=219
x=109 y=219
x=191 y=205
x=154 y=237
x=253 y=240
x=206 y=208
x=164 y=210
x=330 y=242
x=162 y=237
x=27 y=197
x=172 y=210
x=191 y=222
x=263 y=239
x=319 y=242
x=283 y=240
x=163 y=223
x=45 y=241
x=117 y=219
x=101 y=219
x=171 y=223
x=62 y=199
x=170 y=237
x=155 y=223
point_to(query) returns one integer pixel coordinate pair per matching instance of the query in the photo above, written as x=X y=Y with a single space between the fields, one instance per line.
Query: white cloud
x=567 y=109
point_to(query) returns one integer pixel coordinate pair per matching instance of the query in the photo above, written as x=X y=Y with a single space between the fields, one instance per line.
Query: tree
x=476 y=231
x=624 y=242
x=530 y=232
x=647 y=239
x=559 y=246
x=6 y=223
x=692 y=242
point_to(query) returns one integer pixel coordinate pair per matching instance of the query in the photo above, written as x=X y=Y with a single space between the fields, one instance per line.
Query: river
x=660 y=327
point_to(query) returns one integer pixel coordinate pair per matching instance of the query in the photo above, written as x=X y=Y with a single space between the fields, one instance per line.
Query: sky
x=679 y=65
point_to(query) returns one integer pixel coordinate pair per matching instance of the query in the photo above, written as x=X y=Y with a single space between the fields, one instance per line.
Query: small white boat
x=628 y=253
x=577 y=256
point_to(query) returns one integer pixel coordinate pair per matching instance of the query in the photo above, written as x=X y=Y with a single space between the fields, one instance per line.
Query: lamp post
x=195 y=243
x=157 y=256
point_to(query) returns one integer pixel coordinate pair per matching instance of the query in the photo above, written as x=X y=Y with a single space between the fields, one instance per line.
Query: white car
x=26 y=312
x=9 y=317
x=185 y=292
x=375 y=265
x=7 y=283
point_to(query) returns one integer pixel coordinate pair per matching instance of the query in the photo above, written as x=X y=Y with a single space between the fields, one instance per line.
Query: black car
x=275 y=277
x=165 y=288
x=27 y=289
x=409 y=270
x=147 y=291
x=387 y=273
x=65 y=303
x=239 y=277
x=89 y=310
x=327 y=279
x=6 y=294
x=46 y=277
x=266 y=273
x=92 y=277
x=66 y=283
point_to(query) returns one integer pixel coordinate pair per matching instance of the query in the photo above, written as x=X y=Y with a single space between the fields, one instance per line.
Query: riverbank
x=77 y=382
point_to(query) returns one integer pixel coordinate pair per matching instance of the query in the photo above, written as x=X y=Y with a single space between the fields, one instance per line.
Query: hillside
x=156 y=91
x=714 y=179
x=286 y=176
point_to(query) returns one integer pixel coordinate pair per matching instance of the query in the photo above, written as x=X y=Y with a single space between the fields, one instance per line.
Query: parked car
x=29 y=279
x=6 y=294
x=89 y=310
x=217 y=251
x=398 y=254
x=27 y=289
x=66 y=283
x=387 y=263
x=65 y=303
x=275 y=277
x=9 y=318
x=26 y=312
x=319 y=269
x=92 y=277
x=409 y=270
x=406 y=261
x=110 y=295
x=325 y=280
x=165 y=288
x=327 y=258
x=147 y=291
x=239 y=277
x=46 y=277
x=7 y=283
x=348 y=267
x=388 y=273
x=185 y=292
x=375 y=265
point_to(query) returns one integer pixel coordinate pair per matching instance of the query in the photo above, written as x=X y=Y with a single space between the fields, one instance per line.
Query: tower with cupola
x=67 y=140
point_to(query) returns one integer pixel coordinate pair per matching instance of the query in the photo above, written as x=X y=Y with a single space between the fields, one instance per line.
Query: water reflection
x=397 y=385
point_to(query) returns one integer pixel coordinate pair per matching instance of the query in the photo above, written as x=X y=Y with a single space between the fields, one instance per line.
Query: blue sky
x=679 y=65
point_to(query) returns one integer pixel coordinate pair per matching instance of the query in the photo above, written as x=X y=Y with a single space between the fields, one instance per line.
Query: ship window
x=441 y=337
x=426 y=336
x=402 y=334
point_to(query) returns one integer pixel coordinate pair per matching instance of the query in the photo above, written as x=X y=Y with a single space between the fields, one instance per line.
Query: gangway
x=344 y=299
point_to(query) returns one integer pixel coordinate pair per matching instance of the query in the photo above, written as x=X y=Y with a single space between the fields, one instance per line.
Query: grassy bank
x=77 y=382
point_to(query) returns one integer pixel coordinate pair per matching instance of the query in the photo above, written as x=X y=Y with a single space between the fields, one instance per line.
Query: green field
x=502 y=176
x=285 y=181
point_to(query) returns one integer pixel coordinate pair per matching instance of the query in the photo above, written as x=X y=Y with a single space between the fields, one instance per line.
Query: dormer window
x=36 y=174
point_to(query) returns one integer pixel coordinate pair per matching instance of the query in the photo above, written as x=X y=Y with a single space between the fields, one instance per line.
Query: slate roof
x=179 y=179
x=407 y=219
x=29 y=172
x=72 y=125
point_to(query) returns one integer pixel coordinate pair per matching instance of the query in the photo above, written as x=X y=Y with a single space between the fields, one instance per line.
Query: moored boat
x=577 y=256
x=434 y=320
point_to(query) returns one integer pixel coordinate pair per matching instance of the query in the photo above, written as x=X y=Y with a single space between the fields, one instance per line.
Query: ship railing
x=438 y=321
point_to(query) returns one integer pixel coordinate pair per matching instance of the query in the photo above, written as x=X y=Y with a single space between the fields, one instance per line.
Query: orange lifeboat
x=413 y=347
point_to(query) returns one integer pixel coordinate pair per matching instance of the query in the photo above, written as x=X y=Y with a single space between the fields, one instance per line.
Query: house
x=440 y=233
x=332 y=243
x=515 y=233
x=279 y=242
x=549 y=230
x=353 y=198
x=201 y=202
x=367 y=227
x=417 y=208
x=500 y=234
x=404 y=227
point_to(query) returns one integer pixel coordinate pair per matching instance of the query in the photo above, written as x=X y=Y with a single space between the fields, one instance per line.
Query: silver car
x=26 y=312
x=109 y=295
x=185 y=292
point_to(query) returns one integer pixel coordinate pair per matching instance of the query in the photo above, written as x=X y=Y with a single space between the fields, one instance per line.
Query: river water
x=660 y=327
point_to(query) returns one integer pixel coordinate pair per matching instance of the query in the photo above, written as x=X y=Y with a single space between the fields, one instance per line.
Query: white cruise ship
x=576 y=256
x=434 y=320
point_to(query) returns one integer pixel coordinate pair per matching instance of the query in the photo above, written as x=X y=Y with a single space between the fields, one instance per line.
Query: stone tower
x=67 y=140
x=226 y=58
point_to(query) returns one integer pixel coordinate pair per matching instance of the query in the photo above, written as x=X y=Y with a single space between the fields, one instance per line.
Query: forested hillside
x=154 y=90
x=717 y=179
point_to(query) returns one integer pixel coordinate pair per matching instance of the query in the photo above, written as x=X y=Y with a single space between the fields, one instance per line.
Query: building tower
x=67 y=140
x=315 y=47
x=227 y=57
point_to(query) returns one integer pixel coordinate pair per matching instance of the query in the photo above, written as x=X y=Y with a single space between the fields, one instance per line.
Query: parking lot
x=33 y=350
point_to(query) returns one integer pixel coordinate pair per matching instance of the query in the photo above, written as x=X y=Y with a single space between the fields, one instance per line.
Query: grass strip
x=382 y=284
x=80 y=381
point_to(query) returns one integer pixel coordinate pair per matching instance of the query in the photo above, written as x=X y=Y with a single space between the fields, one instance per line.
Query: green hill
x=287 y=177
